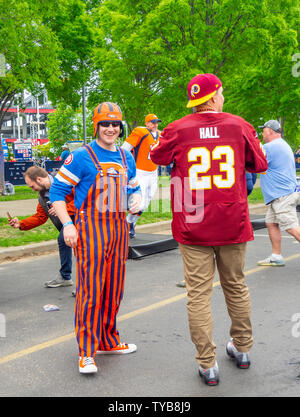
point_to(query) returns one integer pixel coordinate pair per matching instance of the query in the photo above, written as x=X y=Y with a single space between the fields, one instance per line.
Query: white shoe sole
x=62 y=284
x=88 y=370
x=131 y=348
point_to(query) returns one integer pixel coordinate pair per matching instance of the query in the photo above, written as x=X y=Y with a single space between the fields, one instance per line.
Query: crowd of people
x=101 y=190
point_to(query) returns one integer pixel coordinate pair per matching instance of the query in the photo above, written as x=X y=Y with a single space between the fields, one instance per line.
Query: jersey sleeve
x=162 y=153
x=67 y=177
x=37 y=219
x=255 y=157
x=127 y=146
x=134 y=138
x=133 y=184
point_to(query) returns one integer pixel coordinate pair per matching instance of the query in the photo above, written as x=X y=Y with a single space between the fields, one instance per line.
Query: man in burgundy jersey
x=211 y=151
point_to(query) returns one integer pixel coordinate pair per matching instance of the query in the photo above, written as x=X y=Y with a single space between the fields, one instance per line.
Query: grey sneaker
x=241 y=358
x=210 y=375
x=269 y=261
x=58 y=282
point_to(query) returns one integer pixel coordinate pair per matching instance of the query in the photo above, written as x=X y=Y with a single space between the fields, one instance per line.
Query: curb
x=16 y=252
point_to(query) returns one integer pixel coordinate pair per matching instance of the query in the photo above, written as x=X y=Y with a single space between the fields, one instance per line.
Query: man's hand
x=70 y=235
x=135 y=203
x=15 y=223
x=52 y=211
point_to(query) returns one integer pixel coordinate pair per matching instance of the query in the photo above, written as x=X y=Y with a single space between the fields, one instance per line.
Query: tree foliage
x=30 y=52
x=151 y=49
x=76 y=34
x=61 y=126
x=142 y=54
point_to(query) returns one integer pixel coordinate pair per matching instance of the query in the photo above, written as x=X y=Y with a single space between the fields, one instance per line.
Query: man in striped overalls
x=104 y=177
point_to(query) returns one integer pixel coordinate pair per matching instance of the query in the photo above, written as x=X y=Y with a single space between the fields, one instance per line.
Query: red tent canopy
x=32 y=111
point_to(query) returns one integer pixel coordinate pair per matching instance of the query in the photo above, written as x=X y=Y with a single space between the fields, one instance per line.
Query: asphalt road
x=38 y=355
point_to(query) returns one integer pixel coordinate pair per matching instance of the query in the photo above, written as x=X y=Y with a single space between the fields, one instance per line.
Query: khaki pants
x=199 y=270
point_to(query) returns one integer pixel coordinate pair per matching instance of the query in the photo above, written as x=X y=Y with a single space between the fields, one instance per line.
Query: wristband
x=66 y=224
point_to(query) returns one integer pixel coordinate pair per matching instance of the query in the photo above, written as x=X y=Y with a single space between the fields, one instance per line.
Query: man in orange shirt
x=141 y=141
x=38 y=179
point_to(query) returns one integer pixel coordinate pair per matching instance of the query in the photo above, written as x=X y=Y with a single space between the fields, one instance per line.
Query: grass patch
x=256 y=197
x=164 y=181
x=22 y=192
x=158 y=211
x=15 y=237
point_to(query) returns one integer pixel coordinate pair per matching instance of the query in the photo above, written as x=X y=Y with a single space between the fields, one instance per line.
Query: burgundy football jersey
x=211 y=152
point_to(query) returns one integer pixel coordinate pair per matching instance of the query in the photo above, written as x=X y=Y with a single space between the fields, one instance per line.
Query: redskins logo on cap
x=195 y=89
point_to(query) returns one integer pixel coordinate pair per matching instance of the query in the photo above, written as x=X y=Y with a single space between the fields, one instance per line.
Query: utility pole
x=18 y=117
x=38 y=117
x=83 y=115
x=18 y=121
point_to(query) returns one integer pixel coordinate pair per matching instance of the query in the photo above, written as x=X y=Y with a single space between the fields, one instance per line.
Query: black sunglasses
x=107 y=124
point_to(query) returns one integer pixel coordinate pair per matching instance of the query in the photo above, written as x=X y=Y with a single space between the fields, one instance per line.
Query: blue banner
x=5 y=148
x=22 y=151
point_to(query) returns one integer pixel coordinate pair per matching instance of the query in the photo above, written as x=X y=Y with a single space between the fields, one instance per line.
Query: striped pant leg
x=114 y=285
x=91 y=269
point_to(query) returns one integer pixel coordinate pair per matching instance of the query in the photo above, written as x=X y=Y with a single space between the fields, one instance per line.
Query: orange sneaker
x=87 y=365
x=121 y=349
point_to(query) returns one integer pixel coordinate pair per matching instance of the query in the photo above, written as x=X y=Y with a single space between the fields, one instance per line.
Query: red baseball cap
x=201 y=88
x=152 y=118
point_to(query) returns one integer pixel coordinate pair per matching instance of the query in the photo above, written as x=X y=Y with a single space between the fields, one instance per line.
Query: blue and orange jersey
x=79 y=171
x=142 y=140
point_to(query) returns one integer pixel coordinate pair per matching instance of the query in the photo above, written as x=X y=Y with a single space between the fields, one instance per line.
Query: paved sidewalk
x=18 y=207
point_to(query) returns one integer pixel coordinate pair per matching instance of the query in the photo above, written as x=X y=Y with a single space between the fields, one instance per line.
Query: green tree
x=76 y=33
x=61 y=127
x=151 y=49
x=47 y=151
x=30 y=54
x=79 y=125
x=269 y=89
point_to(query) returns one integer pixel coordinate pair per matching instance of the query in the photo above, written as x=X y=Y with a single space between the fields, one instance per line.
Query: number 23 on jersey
x=204 y=182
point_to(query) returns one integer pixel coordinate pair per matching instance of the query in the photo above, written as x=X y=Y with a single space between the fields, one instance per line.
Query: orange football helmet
x=107 y=112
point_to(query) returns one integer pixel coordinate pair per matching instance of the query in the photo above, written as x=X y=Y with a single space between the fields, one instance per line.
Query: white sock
x=276 y=257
